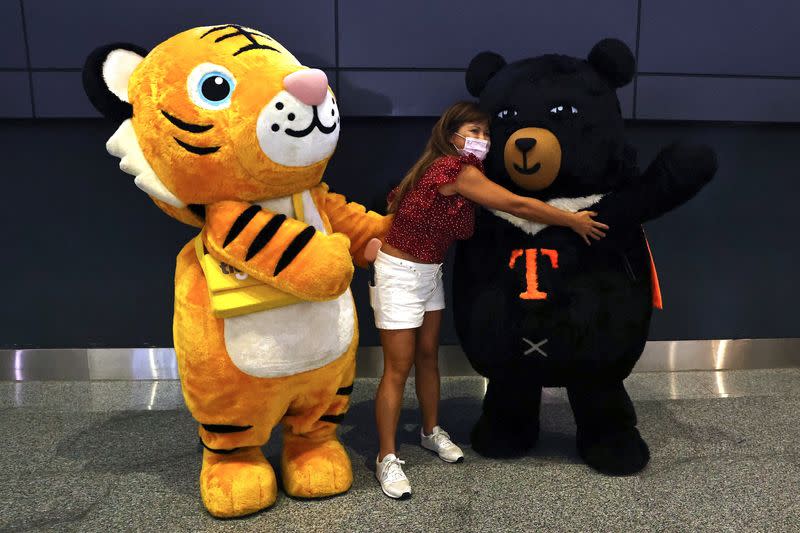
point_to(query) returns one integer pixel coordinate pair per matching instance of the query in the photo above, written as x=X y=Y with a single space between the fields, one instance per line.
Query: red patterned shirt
x=427 y=222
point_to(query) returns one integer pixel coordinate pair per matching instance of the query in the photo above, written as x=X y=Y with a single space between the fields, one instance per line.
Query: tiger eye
x=216 y=88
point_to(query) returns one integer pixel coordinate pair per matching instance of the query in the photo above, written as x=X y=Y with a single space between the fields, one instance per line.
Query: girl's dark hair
x=438 y=145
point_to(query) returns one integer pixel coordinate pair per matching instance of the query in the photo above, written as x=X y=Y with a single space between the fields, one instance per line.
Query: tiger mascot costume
x=227 y=131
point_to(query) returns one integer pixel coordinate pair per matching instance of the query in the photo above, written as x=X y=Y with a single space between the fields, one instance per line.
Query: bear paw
x=691 y=165
x=315 y=468
x=497 y=440
x=237 y=484
x=620 y=453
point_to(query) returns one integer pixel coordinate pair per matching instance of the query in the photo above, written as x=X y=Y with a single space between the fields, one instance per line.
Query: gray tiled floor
x=121 y=456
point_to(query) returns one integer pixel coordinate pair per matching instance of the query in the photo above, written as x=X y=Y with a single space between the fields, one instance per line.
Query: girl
x=433 y=206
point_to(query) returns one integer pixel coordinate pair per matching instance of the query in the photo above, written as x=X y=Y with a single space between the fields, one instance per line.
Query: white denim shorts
x=404 y=291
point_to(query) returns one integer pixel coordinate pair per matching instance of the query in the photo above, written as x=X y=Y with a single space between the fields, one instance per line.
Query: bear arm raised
x=673 y=178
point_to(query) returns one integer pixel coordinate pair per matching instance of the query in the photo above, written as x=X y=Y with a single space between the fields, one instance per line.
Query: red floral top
x=427 y=222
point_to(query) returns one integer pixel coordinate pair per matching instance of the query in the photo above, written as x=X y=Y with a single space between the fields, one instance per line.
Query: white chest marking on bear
x=295 y=338
x=567 y=204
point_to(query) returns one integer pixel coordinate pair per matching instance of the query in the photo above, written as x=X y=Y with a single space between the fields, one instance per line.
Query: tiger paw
x=315 y=468
x=237 y=484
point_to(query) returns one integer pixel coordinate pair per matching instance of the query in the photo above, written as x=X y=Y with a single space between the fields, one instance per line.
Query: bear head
x=557 y=128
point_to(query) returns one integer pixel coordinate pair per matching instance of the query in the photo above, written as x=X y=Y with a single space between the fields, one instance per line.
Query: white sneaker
x=439 y=441
x=394 y=482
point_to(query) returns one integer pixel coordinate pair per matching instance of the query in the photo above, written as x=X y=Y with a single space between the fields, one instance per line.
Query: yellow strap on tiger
x=235 y=293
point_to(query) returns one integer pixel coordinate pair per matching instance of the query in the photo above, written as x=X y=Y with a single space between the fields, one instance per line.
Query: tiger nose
x=309 y=86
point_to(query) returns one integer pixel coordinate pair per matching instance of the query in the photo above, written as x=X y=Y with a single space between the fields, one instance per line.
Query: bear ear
x=614 y=61
x=481 y=69
x=105 y=78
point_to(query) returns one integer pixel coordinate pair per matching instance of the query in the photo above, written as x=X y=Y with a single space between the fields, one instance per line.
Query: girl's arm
x=472 y=184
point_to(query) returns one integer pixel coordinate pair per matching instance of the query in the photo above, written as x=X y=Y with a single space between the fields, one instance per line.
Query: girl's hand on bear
x=584 y=225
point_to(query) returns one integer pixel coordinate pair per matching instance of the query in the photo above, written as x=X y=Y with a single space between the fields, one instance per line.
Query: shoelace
x=393 y=471
x=442 y=439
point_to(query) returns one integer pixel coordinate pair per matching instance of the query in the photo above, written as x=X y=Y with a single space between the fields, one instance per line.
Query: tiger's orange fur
x=237 y=409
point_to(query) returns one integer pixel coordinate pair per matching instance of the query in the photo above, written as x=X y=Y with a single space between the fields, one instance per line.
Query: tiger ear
x=105 y=78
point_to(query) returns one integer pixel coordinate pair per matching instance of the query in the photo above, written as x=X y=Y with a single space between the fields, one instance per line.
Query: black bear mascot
x=534 y=305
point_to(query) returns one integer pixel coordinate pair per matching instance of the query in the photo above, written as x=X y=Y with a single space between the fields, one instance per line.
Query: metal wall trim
x=88 y=364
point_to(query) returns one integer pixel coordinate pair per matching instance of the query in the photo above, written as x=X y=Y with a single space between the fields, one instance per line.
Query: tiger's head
x=214 y=113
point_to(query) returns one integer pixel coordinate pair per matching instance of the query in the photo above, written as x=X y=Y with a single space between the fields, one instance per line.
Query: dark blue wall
x=722 y=61
x=89 y=260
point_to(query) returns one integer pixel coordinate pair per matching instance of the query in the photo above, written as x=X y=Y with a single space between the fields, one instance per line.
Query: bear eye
x=506 y=113
x=562 y=111
x=211 y=86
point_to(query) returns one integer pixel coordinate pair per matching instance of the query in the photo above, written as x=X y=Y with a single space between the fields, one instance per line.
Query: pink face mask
x=477 y=147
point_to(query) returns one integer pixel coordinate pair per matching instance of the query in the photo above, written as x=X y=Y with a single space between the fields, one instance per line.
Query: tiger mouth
x=316 y=123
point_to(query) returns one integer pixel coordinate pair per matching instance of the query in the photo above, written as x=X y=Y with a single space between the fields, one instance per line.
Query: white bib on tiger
x=295 y=338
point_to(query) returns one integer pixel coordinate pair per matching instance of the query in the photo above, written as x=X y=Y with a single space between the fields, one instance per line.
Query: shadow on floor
x=165 y=444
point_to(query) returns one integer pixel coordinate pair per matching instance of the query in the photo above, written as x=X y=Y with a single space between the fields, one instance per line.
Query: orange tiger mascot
x=227 y=131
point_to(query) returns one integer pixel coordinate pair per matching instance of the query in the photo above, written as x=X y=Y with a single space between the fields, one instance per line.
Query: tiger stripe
x=219 y=451
x=264 y=236
x=345 y=391
x=187 y=126
x=224 y=428
x=294 y=248
x=198 y=150
x=333 y=419
x=240 y=223
x=339 y=405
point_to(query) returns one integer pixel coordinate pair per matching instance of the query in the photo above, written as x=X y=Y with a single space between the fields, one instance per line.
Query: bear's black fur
x=535 y=306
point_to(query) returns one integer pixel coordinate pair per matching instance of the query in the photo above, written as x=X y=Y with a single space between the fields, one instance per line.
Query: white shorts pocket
x=373 y=296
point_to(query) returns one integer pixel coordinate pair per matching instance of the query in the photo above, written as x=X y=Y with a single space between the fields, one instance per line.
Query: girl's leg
x=426 y=364
x=398 y=356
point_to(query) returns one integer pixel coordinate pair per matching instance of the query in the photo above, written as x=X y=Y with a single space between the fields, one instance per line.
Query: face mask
x=477 y=147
